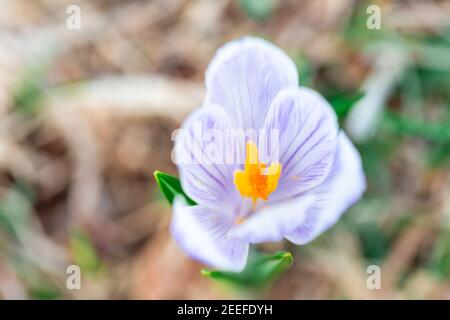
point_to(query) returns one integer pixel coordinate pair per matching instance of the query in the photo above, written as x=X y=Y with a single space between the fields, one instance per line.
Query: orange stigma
x=257 y=180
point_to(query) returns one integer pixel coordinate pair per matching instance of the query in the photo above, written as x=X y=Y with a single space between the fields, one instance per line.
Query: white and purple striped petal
x=273 y=223
x=244 y=77
x=342 y=188
x=206 y=181
x=202 y=233
x=307 y=140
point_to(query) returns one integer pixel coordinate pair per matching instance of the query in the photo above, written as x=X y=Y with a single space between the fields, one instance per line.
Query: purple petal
x=201 y=233
x=244 y=77
x=206 y=180
x=342 y=188
x=274 y=222
x=307 y=130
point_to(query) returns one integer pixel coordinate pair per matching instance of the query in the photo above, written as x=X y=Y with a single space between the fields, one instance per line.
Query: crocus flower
x=251 y=84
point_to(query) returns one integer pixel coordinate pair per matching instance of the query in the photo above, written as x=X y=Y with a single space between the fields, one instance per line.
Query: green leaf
x=258 y=9
x=342 y=102
x=261 y=269
x=84 y=253
x=436 y=132
x=170 y=187
x=305 y=71
x=15 y=211
x=29 y=90
x=374 y=242
x=46 y=293
x=440 y=155
x=439 y=263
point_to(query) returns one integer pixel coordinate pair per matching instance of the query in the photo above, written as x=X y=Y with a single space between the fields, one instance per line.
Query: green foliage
x=261 y=269
x=376 y=154
x=436 y=83
x=258 y=9
x=29 y=90
x=84 y=253
x=435 y=132
x=440 y=155
x=15 y=211
x=440 y=258
x=342 y=102
x=305 y=71
x=45 y=293
x=6 y=222
x=170 y=187
x=424 y=88
x=374 y=242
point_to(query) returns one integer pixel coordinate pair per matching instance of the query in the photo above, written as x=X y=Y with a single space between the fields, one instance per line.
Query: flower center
x=257 y=180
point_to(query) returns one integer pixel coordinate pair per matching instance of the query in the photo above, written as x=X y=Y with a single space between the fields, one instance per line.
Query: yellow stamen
x=257 y=180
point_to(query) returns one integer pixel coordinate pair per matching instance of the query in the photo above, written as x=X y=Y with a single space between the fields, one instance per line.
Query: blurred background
x=86 y=116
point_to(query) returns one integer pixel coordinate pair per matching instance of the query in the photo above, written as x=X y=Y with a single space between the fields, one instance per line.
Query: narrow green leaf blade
x=84 y=253
x=170 y=187
x=438 y=132
x=261 y=269
x=342 y=102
